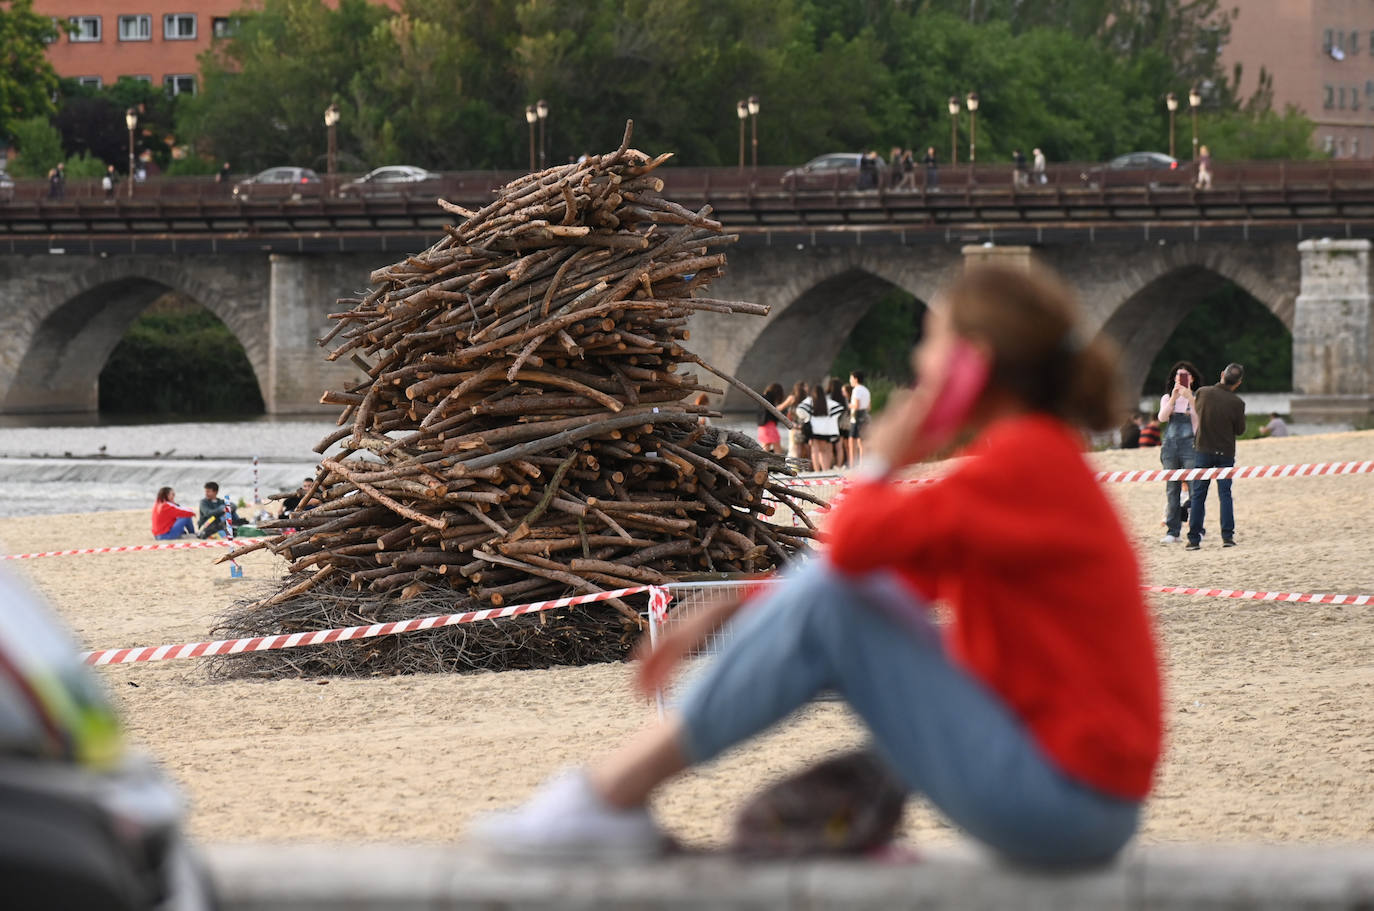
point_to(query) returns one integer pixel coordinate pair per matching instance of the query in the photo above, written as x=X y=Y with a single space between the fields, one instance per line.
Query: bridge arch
x=1139 y=300
x=74 y=326
x=816 y=298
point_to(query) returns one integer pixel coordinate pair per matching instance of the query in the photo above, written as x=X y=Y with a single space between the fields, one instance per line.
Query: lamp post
x=1194 y=102
x=530 y=117
x=753 y=106
x=541 y=108
x=1171 y=102
x=131 y=121
x=331 y=121
x=953 y=130
x=742 y=112
x=972 y=102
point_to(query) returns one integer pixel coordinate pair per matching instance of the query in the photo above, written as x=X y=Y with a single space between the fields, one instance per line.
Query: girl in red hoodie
x=1032 y=719
x=170 y=521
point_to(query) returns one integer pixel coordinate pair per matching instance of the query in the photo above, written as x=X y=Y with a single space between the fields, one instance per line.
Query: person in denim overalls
x=1179 y=417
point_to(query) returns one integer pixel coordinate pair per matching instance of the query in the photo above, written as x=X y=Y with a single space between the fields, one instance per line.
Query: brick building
x=157 y=41
x=1321 y=55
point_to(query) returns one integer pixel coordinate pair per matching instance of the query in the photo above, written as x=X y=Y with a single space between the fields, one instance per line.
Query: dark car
x=279 y=183
x=392 y=180
x=1136 y=169
x=836 y=171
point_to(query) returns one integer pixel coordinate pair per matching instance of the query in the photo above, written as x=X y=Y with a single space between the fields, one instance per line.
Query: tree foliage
x=445 y=83
x=40 y=146
x=91 y=121
x=27 y=80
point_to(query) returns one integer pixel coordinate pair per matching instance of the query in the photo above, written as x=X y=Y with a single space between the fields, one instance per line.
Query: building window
x=1328 y=41
x=221 y=26
x=1341 y=104
x=57 y=30
x=135 y=28
x=1355 y=147
x=1354 y=47
x=90 y=82
x=179 y=85
x=85 y=28
x=1329 y=94
x=179 y=26
x=1354 y=98
x=141 y=77
x=1328 y=144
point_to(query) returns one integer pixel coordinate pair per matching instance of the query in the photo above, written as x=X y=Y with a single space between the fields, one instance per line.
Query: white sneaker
x=1169 y=539
x=566 y=820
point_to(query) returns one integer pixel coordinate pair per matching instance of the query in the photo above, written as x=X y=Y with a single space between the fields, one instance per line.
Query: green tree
x=40 y=146
x=264 y=90
x=27 y=80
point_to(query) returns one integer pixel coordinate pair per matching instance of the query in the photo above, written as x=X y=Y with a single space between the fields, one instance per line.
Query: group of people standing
x=829 y=418
x=901 y=172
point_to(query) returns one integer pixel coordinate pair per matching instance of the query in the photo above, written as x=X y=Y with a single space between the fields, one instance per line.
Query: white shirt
x=859 y=399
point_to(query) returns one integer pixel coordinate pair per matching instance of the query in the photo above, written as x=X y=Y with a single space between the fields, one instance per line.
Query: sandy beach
x=1269 y=739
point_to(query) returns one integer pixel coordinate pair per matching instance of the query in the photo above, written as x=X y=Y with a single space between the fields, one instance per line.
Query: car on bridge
x=1151 y=169
x=279 y=183
x=836 y=171
x=392 y=180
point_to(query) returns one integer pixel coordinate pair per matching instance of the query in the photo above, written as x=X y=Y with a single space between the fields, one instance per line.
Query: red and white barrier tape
x=345 y=634
x=127 y=549
x=1290 y=597
x=1159 y=474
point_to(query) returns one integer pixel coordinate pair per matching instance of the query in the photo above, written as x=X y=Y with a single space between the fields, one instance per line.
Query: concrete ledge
x=408 y=878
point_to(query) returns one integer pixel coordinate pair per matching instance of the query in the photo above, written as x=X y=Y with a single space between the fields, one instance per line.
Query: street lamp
x=1171 y=102
x=953 y=129
x=541 y=108
x=331 y=120
x=131 y=121
x=972 y=102
x=530 y=117
x=742 y=112
x=753 y=106
x=1194 y=102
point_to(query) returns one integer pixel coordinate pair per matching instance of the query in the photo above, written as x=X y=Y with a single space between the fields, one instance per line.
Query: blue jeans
x=1175 y=452
x=1198 y=500
x=942 y=731
x=184 y=525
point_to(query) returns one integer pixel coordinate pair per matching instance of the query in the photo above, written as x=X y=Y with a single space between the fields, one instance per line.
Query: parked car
x=392 y=180
x=1137 y=168
x=838 y=170
x=279 y=183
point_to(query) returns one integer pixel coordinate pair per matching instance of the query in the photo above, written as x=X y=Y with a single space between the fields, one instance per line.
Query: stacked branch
x=523 y=429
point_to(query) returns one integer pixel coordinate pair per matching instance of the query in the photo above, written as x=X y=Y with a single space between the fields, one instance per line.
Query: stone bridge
x=62 y=315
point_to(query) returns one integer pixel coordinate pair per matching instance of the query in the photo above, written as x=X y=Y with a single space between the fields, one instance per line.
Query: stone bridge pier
x=61 y=317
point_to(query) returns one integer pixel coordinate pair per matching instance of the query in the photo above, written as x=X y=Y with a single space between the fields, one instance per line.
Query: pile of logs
x=524 y=429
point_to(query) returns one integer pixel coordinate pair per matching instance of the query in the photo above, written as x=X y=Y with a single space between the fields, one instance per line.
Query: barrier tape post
x=256 y=499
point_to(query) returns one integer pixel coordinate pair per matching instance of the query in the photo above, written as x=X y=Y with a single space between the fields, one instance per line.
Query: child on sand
x=1032 y=720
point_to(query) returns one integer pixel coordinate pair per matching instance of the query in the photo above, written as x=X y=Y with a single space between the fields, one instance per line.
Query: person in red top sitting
x=1032 y=719
x=170 y=521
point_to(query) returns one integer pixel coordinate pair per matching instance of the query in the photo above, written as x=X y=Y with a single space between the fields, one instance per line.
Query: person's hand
x=893 y=435
x=657 y=663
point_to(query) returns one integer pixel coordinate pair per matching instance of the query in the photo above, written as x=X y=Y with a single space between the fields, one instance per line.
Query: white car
x=396 y=179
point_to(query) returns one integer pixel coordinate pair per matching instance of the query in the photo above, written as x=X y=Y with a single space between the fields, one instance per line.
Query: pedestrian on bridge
x=109 y=181
x=932 y=170
x=1204 y=169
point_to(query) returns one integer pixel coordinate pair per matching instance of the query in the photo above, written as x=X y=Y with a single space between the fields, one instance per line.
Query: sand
x=1270 y=738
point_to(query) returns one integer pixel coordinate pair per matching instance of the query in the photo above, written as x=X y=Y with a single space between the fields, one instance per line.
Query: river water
x=61 y=465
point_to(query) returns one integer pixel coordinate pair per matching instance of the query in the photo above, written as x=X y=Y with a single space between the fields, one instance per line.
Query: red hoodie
x=165 y=515
x=1024 y=546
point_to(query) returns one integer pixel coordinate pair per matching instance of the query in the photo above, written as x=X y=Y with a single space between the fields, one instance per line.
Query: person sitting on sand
x=170 y=521
x=213 y=512
x=1033 y=718
x=1277 y=426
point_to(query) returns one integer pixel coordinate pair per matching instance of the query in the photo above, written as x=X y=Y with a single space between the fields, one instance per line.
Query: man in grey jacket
x=1220 y=418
